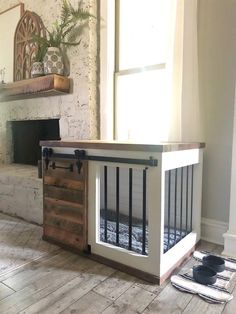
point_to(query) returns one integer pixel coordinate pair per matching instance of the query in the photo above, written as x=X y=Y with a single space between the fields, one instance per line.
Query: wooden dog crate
x=136 y=207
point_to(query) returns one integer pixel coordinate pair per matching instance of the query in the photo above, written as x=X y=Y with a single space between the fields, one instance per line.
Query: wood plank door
x=65 y=203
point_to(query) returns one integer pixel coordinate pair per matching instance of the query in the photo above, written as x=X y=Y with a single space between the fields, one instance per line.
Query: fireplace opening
x=26 y=136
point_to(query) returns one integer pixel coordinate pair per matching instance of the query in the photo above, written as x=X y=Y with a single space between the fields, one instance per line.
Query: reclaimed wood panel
x=65 y=204
x=65 y=237
x=59 y=222
x=64 y=183
x=65 y=209
x=63 y=173
x=64 y=194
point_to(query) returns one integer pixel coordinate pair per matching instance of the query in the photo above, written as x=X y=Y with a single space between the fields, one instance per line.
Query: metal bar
x=105 y=203
x=146 y=162
x=187 y=208
x=63 y=156
x=191 y=218
x=54 y=166
x=169 y=198
x=117 y=204
x=144 y=210
x=130 y=206
x=181 y=202
x=176 y=172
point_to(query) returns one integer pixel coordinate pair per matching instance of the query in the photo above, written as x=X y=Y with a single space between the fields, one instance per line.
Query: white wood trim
x=150 y=263
x=107 y=67
x=213 y=230
x=181 y=158
x=230 y=235
x=172 y=160
x=229 y=244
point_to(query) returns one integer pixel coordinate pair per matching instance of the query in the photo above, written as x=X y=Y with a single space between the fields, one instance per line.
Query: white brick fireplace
x=20 y=188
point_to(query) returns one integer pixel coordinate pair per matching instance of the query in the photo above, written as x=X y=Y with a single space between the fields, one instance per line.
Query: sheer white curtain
x=191 y=123
x=185 y=111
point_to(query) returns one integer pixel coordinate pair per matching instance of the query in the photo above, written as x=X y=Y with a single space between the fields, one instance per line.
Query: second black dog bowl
x=214 y=262
x=204 y=275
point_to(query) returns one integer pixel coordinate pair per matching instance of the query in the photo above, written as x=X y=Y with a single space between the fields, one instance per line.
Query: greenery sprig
x=66 y=30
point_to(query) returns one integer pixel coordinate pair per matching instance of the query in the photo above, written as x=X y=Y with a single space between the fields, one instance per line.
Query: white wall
x=217 y=73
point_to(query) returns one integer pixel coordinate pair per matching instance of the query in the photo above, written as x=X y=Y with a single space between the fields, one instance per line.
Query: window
x=134 y=72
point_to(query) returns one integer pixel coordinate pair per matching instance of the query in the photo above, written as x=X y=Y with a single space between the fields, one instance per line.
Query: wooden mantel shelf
x=43 y=86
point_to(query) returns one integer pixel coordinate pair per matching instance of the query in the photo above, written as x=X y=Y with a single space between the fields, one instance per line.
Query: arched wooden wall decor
x=24 y=50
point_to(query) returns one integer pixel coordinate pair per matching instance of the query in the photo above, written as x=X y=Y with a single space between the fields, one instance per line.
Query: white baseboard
x=230 y=244
x=213 y=230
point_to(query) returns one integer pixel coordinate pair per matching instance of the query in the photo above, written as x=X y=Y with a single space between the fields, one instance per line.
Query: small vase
x=37 y=69
x=53 y=61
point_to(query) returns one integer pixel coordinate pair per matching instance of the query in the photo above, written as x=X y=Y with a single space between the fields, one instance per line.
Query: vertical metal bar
x=187 y=208
x=130 y=206
x=144 y=210
x=117 y=204
x=191 y=218
x=181 y=203
x=105 y=203
x=169 y=198
x=175 y=218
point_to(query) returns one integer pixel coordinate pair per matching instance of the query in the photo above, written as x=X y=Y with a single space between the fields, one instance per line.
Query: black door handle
x=54 y=166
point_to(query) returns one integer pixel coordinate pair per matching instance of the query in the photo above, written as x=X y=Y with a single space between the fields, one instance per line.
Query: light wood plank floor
x=37 y=277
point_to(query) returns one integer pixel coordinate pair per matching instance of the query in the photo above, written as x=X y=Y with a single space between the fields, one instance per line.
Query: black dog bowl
x=214 y=262
x=204 y=275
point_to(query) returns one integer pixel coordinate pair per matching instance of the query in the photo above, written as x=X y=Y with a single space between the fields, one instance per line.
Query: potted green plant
x=65 y=32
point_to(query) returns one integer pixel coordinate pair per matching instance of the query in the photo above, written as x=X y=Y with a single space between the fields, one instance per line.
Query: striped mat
x=216 y=293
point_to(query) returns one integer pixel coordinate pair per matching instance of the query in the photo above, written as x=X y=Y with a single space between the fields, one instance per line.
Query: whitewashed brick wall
x=21 y=192
x=79 y=111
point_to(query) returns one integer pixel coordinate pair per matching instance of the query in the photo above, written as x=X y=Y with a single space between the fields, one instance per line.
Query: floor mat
x=219 y=292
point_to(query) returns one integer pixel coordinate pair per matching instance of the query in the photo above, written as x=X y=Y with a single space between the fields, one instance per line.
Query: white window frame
x=109 y=68
x=107 y=52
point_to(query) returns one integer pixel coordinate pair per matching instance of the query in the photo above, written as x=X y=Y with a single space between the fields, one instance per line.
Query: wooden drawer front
x=65 y=203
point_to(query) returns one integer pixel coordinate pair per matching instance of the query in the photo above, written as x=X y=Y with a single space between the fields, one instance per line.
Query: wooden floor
x=37 y=277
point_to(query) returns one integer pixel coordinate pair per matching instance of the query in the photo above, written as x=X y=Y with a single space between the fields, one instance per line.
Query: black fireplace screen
x=26 y=136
